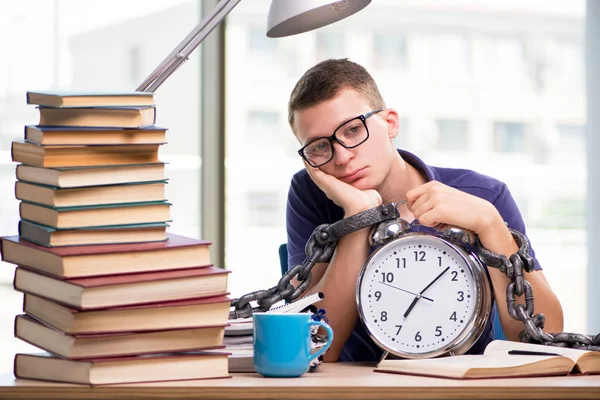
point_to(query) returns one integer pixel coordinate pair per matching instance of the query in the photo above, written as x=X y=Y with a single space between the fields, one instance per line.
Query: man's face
x=365 y=166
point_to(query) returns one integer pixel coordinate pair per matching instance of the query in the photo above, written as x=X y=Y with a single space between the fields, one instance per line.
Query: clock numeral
x=439 y=261
x=378 y=295
x=403 y=262
x=461 y=295
x=419 y=255
x=453 y=316
x=383 y=316
x=387 y=277
x=438 y=331
x=454 y=276
x=399 y=329
x=418 y=337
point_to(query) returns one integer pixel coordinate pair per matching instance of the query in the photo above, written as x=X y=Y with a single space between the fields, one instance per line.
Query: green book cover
x=101 y=206
x=165 y=181
x=50 y=229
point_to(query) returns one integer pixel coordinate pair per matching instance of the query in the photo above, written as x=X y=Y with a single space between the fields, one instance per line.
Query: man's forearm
x=339 y=286
x=545 y=302
x=501 y=241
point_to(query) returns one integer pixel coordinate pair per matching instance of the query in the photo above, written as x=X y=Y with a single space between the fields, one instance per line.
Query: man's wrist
x=496 y=237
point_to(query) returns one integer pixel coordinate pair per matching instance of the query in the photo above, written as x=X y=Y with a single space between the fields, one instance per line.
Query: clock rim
x=477 y=322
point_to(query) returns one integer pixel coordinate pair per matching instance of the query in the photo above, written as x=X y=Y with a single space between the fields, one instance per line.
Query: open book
x=501 y=359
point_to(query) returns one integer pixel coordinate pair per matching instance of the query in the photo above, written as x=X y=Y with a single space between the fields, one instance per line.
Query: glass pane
x=510 y=137
x=97 y=46
x=464 y=64
x=389 y=51
x=452 y=134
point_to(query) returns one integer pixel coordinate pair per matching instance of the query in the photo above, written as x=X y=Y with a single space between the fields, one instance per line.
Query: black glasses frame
x=333 y=138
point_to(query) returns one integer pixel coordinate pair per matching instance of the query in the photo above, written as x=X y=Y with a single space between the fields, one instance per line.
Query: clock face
x=418 y=295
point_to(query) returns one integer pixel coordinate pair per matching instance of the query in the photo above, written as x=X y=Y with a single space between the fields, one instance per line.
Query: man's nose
x=341 y=155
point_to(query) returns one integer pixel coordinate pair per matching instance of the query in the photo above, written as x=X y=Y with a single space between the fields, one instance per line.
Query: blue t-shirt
x=308 y=207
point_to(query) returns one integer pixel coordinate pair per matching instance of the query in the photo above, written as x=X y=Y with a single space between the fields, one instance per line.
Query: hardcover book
x=121 y=290
x=117 y=117
x=92 y=235
x=69 y=136
x=106 y=371
x=116 y=344
x=192 y=313
x=178 y=252
x=83 y=156
x=89 y=99
x=53 y=196
x=70 y=177
x=96 y=215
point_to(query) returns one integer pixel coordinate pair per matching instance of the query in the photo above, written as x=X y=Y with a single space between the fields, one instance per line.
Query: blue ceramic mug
x=282 y=343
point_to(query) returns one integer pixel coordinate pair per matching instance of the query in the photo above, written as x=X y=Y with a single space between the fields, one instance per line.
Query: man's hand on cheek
x=434 y=203
x=346 y=196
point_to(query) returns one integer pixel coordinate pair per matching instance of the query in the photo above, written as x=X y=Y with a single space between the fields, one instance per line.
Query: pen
x=530 y=353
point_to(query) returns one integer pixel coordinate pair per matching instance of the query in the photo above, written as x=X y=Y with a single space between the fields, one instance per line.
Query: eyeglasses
x=350 y=134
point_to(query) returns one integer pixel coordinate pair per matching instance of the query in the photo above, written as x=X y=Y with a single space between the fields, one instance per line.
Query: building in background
x=478 y=84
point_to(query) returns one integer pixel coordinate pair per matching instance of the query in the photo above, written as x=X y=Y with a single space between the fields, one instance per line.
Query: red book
x=193 y=313
x=121 y=290
x=177 y=252
x=116 y=344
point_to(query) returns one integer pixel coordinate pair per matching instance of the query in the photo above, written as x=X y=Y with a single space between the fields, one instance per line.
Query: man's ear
x=392 y=122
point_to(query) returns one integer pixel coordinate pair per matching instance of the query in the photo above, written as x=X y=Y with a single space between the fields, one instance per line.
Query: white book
x=243 y=326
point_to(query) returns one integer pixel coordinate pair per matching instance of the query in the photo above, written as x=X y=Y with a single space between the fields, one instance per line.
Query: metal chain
x=322 y=243
x=513 y=268
x=319 y=249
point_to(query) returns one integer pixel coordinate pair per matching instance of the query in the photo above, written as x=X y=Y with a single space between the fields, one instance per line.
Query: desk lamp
x=286 y=17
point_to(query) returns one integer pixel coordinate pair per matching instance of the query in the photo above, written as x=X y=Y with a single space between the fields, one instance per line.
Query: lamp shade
x=289 y=17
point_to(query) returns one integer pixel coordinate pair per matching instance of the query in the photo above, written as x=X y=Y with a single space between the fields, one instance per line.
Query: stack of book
x=109 y=294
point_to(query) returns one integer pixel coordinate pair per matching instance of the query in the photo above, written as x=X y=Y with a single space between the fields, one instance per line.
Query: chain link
x=513 y=268
x=322 y=243
x=319 y=249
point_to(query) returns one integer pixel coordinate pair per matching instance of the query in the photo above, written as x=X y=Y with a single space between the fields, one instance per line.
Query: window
x=260 y=44
x=565 y=213
x=390 y=51
x=452 y=134
x=263 y=209
x=503 y=61
x=452 y=55
x=262 y=128
x=510 y=137
x=402 y=140
x=92 y=46
x=563 y=63
x=330 y=45
x=467 y=66
x=135 y=75
x=571 y=139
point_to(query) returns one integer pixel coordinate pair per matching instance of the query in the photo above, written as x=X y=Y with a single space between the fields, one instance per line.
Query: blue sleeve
x=509 y=211
x=307 y=208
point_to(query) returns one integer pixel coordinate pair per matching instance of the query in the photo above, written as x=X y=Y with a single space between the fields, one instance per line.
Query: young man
x=346 y=133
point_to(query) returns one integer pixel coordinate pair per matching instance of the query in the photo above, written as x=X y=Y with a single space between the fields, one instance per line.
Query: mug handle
x=329 y=339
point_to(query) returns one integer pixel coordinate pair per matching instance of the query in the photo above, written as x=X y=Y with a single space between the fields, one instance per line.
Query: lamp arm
x=181 y=53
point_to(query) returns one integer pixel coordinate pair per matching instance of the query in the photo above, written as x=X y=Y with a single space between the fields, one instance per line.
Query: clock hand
x=414 y=302
x=411 y=306
x=414 y=294
x=435 y=280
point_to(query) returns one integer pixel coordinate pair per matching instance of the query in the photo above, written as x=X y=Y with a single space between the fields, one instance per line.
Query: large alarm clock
x=423 y=295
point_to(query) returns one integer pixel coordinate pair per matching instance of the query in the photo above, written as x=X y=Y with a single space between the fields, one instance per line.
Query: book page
x=502 y=347
x=480 y=366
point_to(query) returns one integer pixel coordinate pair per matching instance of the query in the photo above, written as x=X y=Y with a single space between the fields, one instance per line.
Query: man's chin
x=362 y=184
